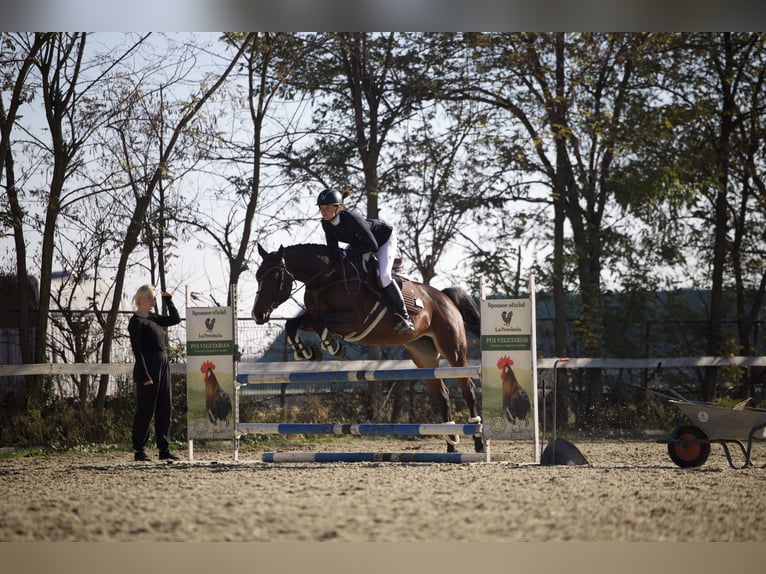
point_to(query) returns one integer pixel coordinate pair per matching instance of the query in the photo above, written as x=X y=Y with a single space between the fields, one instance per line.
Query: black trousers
x=153 y=401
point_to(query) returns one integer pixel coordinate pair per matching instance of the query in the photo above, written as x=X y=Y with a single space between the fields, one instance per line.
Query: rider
x=365 y=236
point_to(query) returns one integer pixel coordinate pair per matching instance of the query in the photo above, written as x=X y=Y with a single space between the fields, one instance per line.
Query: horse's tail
x=467 y=307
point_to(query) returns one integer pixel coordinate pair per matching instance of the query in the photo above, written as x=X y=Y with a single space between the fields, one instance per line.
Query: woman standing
x=151 y=372
x=365 y=236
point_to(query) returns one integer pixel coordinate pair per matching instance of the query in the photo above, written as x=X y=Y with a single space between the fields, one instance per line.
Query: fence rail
x=10 y=370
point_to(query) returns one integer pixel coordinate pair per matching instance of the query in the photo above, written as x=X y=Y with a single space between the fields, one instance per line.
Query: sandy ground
x=631 y=491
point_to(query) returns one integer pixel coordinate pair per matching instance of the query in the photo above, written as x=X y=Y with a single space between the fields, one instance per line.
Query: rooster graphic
x=210 y=323
x=507 y=316
x=217 y=402
x=515 y=399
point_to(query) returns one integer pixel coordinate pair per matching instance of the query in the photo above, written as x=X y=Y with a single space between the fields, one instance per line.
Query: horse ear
x=262 y=251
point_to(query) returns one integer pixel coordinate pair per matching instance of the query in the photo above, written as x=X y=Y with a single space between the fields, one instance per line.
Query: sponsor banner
x=508 y=380
x=210 y=373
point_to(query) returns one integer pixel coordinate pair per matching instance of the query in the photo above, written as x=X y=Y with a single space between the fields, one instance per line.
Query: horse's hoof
x=478 y=444
x=451 y=448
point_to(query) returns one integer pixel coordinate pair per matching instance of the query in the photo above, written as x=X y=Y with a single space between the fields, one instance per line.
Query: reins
x=282 y=270
x=344 y=281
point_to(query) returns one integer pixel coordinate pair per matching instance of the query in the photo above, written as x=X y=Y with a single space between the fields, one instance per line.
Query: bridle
x=286 y=280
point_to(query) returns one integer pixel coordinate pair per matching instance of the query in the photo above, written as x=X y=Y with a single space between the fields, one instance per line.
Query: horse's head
x=275 y=284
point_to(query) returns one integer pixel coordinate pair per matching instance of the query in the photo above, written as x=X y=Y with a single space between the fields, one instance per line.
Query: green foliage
x=627 y=408
x=343 y=407
x=63 y=424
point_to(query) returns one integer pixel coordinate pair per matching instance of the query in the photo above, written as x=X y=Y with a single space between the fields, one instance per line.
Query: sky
x=202 y=269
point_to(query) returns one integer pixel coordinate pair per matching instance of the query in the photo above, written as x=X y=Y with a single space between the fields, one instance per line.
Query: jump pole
x=358 y=375
x=362 y=429
x=363 y=375
x=438 y=457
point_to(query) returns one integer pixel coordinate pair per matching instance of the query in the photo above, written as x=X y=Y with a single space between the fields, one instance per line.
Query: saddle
x=368 y=270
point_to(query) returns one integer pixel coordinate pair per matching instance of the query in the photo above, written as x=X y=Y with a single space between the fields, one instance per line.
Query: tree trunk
x=720 y=222
x=560 y=183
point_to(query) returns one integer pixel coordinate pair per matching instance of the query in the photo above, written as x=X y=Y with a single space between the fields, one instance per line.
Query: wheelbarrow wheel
x=689 y=455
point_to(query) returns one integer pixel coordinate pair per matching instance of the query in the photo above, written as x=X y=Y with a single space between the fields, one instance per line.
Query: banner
x=210 y=373
x=508 y=369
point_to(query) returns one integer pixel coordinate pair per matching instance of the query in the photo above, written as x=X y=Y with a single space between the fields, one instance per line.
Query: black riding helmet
x=330 y=196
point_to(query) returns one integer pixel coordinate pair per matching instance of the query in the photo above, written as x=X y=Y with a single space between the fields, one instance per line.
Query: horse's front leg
x=300 y=350
x=329 y=342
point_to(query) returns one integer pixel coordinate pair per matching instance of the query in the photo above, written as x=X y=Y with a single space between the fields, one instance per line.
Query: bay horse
x=343 y=303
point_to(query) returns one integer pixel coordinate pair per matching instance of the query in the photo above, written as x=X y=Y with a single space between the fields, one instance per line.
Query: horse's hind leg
x=468 y=390
x=424 y=355
x=440 y=393
x=450 y=340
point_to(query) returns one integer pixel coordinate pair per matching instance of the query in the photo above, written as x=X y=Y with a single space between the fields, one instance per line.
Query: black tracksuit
x=147 y=339
x=362 y=235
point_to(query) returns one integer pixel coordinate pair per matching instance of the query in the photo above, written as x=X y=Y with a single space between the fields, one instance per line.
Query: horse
x=343 y=303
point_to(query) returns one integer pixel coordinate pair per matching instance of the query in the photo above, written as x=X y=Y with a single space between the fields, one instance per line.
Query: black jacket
x=148 y=336
x=362 y=235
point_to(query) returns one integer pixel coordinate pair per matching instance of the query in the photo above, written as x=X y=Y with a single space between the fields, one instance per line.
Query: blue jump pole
x=364 y=375
x=361 y=429
x=439 y=457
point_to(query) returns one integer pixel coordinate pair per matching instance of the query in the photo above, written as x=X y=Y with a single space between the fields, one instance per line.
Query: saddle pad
x=414 y=304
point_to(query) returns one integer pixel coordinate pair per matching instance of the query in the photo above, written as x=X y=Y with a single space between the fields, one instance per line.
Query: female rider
x=365 y=236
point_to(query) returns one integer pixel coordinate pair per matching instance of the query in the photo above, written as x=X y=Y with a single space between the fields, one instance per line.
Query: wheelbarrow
x=708 y=423
x=689 y=444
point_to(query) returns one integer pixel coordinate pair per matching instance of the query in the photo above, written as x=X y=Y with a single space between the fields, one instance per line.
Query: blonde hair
x=142 y=292
x=343 y=194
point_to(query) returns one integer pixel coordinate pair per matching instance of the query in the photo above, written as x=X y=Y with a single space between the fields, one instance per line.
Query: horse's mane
x=310 y=248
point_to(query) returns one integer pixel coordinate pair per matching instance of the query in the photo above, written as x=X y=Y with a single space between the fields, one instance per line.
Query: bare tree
x=145 y=185
x=19 y=53
x=59 y=77
x=257 y=202
x=445 y=182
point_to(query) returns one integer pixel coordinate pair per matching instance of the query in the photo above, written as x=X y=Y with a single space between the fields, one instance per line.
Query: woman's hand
x=149 y=382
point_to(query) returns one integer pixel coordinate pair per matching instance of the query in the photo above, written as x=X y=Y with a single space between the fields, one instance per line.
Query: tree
x=445 y=181
x=363 y=87
x=739 y=61
x=245 y=152
x=16 y=81
x=145 y=185
x=71 y=117
x=708 y=136
x=567 y=95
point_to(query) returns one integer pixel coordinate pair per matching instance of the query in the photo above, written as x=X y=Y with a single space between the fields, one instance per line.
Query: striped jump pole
x=362 y=429
x=359 y=375
x=438 y=457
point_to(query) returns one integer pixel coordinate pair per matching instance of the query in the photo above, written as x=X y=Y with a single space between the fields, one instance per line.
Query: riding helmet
x=330 y=196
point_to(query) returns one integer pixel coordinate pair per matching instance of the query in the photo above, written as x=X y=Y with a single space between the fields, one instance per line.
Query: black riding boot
x=402 y=318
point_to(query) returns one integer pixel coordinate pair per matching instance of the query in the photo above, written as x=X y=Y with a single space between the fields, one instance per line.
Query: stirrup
x=403 y=325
